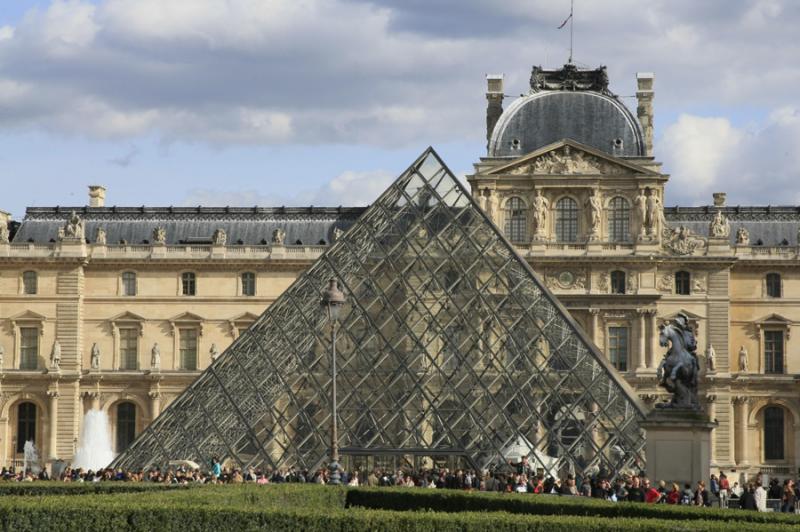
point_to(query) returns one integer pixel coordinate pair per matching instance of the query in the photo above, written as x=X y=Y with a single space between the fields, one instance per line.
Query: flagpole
x=571 y=23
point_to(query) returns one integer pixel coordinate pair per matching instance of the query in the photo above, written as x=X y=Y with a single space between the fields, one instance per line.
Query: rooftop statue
x=679 y=369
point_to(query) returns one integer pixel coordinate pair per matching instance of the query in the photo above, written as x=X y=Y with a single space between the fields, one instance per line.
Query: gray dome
x=541 y=118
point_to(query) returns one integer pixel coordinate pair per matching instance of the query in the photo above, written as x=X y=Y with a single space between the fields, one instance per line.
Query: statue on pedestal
x=55 y=356
x=711 y=359
x=595 y=206
x=278 y=236
x=742 y=360
x=155 y=357
x=539 y=212
x=679 y=369
x=214 y=352
x=95 y=359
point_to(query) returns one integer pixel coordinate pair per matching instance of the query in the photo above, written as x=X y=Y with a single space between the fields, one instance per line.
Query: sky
x=324 y=102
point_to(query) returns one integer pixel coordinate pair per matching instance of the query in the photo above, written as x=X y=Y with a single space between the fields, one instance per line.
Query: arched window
x=683 y=283
x=774 y=285
x=617 y=282
x=126 y=425
x=26 y=425
x=773 y=433
x=29 y=283
x=619 y=216
x=516 y=220
x=248 y=284
x=566 y=220
x=188 y=284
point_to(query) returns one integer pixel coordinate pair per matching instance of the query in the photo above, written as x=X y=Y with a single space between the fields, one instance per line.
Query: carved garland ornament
x=566 y=280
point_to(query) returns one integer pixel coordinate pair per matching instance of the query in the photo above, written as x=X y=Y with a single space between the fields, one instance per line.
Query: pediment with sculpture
x=569 y=158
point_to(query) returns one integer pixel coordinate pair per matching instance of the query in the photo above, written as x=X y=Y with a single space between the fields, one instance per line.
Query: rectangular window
x=618 y=347
x=129 y=284
x=773 y=351
x=188 y=285
x=29 y=283
x=128 y=349
x=188 y=349
x=29 y=348
x=248 y=284
x=683 y=283
x=774 y=285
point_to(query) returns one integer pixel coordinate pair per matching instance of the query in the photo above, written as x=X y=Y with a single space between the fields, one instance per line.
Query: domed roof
x=593 y=117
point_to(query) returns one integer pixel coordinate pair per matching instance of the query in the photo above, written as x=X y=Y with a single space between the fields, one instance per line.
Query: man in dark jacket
x=748 y=500
x=635 y=492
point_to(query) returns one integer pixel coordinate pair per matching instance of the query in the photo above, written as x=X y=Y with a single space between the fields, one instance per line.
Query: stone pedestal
x=678 y=447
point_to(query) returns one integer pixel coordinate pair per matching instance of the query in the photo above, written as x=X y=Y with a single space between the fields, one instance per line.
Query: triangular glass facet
x=448 y=346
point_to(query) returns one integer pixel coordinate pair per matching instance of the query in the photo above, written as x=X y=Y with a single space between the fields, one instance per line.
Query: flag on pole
x=566 y=20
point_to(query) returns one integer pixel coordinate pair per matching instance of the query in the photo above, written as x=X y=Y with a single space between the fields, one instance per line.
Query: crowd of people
x=515 y=477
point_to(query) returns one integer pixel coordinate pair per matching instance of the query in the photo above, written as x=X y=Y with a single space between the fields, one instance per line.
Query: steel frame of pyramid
x=449 y=345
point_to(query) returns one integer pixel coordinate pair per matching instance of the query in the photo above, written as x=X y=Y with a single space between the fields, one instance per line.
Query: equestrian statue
x=679 y=369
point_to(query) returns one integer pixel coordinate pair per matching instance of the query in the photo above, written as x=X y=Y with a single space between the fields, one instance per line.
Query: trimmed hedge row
x=71 y=513
x=415 y=499
x=40 y=488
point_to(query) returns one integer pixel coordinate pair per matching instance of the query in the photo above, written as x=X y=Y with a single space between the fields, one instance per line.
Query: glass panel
x=618 y=347
x=188 y=346
x=248 y=284
x=29 y=348
x=447 y=348
x=773 y=351
x=129 y=348
x=566 y=220
x=129 y=283
x=773 y=433
x=29 y=282
x=26 y=425
x=619 y=220
x=188 y=284
x=126 y=425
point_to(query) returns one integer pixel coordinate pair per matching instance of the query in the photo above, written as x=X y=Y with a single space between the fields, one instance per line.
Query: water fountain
x=94 y=446
x=30 y=458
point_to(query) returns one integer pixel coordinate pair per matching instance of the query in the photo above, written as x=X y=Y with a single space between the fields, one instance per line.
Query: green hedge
x=68 y=513
x=39 y=488
x=400 y=499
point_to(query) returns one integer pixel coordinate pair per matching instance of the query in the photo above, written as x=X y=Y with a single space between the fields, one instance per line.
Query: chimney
x=97 y=196
x=494 y=107
x=644 y=110
x=719 y=199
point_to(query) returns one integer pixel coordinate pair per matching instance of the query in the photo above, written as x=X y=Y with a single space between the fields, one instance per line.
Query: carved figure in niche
x=95 y=358
x=666 y=283
x=73 y=229
x=214 y=352
x=159 y=235
x=742 y=237
x=4 y=234
x=640 y=203
x=653 y=214
x=278 y=235
x=55 y=356
x=219 y=238
x=539 y=207
x=679 y=369
x=743 y=360
x=100 y=236
x=631 y=284
x=720 y=227
x=602 y=283
x=155 y=357
x=595 y=206
x=711 y=359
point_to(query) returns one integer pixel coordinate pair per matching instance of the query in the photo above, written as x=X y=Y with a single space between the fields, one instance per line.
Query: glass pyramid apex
x=449 y=346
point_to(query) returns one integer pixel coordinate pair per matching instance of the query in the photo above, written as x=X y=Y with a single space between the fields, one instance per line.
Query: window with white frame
x=773 y=351
x=248 y=284
x=30 y=283
x=188 y=349
x=29 y=348
x=129 y=283
x=128 y=348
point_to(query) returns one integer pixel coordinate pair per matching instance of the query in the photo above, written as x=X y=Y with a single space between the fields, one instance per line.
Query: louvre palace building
x=122 y=308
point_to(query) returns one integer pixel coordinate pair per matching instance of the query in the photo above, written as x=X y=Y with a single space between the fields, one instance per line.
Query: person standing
x=789 y=497
x=747 y=500
x=724 y=490
x=760 y=496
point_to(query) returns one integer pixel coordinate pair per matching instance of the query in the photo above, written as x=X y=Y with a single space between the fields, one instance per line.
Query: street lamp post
x=332 y=301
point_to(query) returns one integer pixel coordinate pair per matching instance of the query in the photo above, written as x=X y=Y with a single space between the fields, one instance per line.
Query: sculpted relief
x=567 y=160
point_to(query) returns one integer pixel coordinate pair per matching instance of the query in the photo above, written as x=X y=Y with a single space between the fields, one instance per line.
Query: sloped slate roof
x=135 y=225
x=773 y=226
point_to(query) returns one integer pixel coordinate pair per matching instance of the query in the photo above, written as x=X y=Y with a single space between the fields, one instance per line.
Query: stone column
x=53 y=427
x=640 y=359
x=652 y=359
x=594 y=313
x=155 y=403
x=711 y=410
x=741 y=412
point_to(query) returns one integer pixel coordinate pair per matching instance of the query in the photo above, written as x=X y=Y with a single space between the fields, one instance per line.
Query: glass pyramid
x=449 y=345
